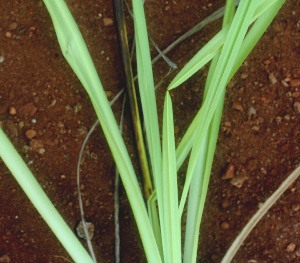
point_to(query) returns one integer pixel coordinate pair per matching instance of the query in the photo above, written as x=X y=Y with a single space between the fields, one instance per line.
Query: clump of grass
x=159 y=219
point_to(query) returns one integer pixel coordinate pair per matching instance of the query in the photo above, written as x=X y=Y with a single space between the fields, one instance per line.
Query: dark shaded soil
x=46 y=113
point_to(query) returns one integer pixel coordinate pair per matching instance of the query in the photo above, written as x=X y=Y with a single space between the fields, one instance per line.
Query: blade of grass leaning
x=77 y=55
x=41 y=202
x=148 y=101
x=251 y=39
x=233 y=42
x=172 y=230
x=200 y=179
x=202 y=57
x=146 y=88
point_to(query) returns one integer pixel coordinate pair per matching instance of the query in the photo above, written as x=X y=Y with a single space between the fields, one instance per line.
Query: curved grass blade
x=200 y=59
x=251 y=39
x=201 y=176
x=148 y=101
x=41 y=202
x=77 y=55
x=172 y=230
x=208 y=51
x=233 y=42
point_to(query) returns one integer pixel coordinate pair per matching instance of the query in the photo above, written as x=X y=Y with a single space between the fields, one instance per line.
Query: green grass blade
x=211 y=48
x=154 y=219
x=200 y=59
x=76 y=53
x=201 y=176
x=148 y=101
x=226 y=61
x=41 y=202
x=255 y=33
x=172 y=230
x=146 y=88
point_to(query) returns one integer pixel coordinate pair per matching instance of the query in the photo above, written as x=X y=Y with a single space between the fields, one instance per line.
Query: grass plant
x=159 y=218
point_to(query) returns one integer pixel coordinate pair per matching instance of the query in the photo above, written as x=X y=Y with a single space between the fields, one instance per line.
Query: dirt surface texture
x=46 y=113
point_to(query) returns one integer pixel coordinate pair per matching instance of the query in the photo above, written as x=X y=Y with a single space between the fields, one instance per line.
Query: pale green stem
x=40 y=201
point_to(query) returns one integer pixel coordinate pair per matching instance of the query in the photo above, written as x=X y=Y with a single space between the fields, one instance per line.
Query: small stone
x=225 y=225
x=297 y=107
x=255 y=128
x=291 y=247
x=30 y=134
x=12 y=111
x=5 y=259
x=295 y=82
x=108 y=21
x=12 y=26
x=8 y=34
x=225 y=204
x=244 y=76
x=272 y=78
x=251 y=111
x=296 y=207
x=238 y=181
x=90 y=229
x=237 y=106
x=109 y=93
x=1 y=59
x=229 y=173
x=167 y=8
x=36 y=144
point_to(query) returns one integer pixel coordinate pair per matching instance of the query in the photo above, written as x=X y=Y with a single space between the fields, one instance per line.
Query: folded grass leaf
x=76 y=53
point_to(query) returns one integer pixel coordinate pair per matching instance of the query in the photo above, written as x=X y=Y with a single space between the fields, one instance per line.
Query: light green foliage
x=160 y=230
x=41 y=202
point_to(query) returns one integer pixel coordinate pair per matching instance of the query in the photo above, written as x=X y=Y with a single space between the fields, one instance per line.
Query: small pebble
x=267 y=61
x=297 y=107
x=251 y=111
x=237 y=106
x=12 y=26
x=296 y=207
x=36 y=144
x=108 y=21
x=238 y=181
x=12 y=111
x=291 y=247
x=225 y=204
x=8 y=34
x=229 y=173
x=244 y=76
x=90 y=228
x=272 y=78
x=30 y=134
x=225 y=225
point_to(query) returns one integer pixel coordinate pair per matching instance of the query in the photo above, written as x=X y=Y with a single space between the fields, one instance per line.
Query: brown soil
x=46 y=113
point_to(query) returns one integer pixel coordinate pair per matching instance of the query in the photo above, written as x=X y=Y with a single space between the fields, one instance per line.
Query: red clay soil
x=47 y=114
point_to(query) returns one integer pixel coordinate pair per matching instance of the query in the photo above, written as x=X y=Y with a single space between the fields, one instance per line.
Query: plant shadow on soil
x=46 y=113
